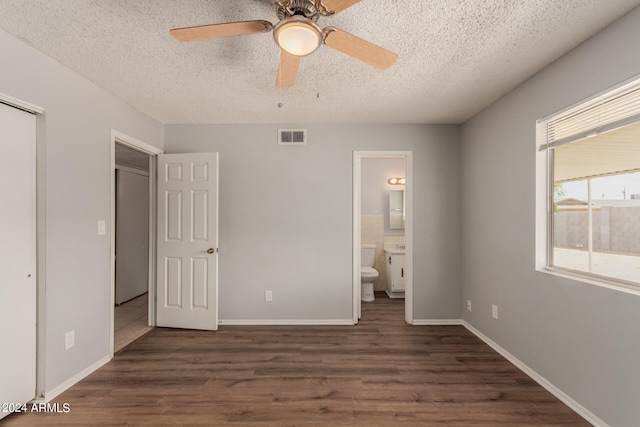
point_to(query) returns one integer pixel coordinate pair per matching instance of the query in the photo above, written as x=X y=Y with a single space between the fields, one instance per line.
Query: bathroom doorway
x=377 y=220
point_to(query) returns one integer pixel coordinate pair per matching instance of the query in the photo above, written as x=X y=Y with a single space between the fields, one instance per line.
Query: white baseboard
x=435 y=322
x=565 y=398
x=285 y=322
x=52 y=394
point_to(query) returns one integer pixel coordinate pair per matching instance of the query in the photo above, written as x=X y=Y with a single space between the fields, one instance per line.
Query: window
x=592 y=156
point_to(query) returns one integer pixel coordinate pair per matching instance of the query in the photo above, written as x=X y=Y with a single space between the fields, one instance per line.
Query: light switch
x=102 y=227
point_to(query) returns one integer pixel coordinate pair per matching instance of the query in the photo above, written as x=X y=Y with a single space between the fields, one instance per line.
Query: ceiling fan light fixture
x=297 y=35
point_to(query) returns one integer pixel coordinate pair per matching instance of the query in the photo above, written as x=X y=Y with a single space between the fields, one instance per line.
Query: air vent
x=292 y=137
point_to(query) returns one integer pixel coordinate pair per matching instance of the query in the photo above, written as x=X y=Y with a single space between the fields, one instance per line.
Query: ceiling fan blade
x=288 y=70
x=358 y=48
x=206 y=32
x=338 y=6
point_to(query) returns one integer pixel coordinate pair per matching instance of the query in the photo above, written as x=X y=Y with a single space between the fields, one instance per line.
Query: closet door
x=17 y=258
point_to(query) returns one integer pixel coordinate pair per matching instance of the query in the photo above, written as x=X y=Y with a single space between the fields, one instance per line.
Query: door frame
x=153 y=152
x=357 y=208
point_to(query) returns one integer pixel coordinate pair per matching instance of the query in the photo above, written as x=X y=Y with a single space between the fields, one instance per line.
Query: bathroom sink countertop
x=394 y=248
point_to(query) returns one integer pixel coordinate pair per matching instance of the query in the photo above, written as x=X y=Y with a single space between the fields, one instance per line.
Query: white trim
x=437 y=322
x=132 y=170
x=134 y=143
x=621 y=111
x=18 y=103
x=216 y=243
x=565 y=398
x=285 y=322
x=356 y=283
x=408 y=237
x=55 y=392
x=603 y=283
x=408 y=231
x=121 y=138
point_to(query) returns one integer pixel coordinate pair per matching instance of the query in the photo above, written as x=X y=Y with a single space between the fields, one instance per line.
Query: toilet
x=368 y=274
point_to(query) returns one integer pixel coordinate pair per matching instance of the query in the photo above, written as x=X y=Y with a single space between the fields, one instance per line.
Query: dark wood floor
x=381 y=372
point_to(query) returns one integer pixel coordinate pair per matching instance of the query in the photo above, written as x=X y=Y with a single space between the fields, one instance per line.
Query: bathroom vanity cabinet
x=395 y=275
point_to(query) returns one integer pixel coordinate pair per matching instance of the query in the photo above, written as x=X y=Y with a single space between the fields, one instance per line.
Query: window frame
x=544 y=261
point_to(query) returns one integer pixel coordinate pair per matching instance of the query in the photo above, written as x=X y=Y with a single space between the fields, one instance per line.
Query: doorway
x=133 y=210
x=389 y=234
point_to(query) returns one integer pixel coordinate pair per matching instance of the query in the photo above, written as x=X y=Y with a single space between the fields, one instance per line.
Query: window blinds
x=611 y=111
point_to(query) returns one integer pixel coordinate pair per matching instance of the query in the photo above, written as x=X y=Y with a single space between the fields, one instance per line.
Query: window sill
x=566 y=274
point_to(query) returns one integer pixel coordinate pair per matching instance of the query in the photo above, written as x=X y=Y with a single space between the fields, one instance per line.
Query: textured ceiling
x=455 y=56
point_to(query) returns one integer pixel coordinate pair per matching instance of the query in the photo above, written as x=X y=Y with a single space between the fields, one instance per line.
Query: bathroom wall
x=375 y=188
x=372 y=233
x=286 y=217
x=375 y=174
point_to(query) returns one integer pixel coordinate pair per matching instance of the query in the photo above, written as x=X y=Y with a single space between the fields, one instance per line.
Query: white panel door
x=17 y=256
x=187 y=290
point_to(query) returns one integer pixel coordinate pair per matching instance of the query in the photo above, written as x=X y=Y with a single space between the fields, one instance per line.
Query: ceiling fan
x=297 y=34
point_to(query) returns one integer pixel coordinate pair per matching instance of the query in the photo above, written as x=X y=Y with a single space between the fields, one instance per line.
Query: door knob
x=211 y=250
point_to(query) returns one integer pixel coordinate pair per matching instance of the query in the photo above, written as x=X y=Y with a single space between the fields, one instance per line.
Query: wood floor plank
x=381 y=372
x=130 y=321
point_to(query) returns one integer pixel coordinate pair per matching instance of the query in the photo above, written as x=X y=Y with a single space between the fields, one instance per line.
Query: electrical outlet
x=69 y=339
x=494 y=311
x=468 y=305
x=268 y=296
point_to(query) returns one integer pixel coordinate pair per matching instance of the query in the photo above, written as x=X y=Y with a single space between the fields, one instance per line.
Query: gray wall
x=286 y=216
x=375 y=188
x=583 y=338
x=285 y=220
x=73 y=152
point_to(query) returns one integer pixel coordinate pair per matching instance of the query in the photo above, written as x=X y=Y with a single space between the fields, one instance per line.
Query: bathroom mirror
x=396 y=209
